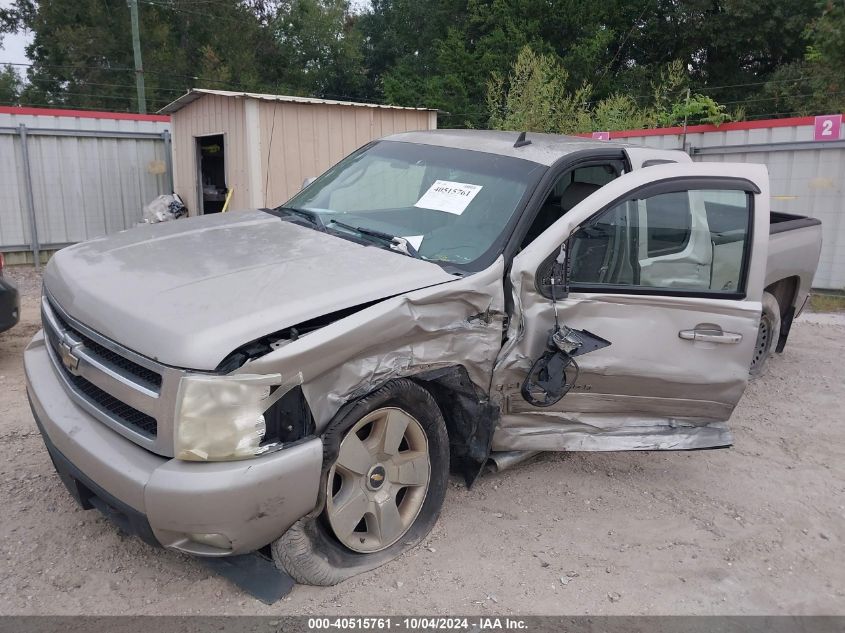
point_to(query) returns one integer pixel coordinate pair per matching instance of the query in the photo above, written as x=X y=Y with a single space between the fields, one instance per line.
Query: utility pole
x=686 y=115
x=139 y=66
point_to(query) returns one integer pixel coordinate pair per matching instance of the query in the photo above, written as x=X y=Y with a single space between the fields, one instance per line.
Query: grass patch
x=827 y=303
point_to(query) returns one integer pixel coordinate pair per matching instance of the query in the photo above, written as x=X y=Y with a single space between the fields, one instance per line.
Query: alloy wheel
x=379 y=481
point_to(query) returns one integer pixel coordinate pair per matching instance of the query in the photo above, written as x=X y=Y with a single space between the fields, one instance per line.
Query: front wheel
x=388 y=466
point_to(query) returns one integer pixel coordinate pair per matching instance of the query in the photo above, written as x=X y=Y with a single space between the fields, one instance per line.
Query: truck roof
x=544 y=148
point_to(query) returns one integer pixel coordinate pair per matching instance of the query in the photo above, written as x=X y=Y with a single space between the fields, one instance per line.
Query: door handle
x=710 y=334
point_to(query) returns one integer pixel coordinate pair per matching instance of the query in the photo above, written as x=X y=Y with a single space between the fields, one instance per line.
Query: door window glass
x=570 y=189
x=668 y=222
x=692 y=240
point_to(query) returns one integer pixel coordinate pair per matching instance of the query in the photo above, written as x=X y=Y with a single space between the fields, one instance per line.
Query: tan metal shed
x=262 y=147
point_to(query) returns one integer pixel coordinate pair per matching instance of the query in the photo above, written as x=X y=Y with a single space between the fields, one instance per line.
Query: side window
x=694 y=240
x=570 y=189
x=595 y=174
x=668 y=222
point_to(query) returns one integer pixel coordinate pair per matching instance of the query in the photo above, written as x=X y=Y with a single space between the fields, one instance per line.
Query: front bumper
x=250 y=502
x=10 y=308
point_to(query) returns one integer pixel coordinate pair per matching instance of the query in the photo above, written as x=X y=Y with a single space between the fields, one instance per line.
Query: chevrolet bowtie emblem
x=377 y=477
x=69 y=360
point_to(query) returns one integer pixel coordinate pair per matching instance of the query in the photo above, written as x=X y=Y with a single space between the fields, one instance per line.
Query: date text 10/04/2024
x=420 y=623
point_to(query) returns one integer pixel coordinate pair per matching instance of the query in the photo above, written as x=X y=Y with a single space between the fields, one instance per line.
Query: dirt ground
x=756 y=529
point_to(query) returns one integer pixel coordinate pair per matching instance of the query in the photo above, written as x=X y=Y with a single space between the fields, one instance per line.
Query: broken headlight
x=221 y=418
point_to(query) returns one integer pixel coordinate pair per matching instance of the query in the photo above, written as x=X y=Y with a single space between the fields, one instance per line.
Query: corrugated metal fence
x=66 y=177
x=806 y=175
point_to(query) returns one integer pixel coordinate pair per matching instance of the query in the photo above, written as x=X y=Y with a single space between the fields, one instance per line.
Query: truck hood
x=189 y=292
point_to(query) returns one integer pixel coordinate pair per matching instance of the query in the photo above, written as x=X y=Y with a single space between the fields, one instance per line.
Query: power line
x=104 y=85
x=96 y=96
x=162 y=5
x=780 y=97
x=123 y=69
x=757 y=83
x=71 y=66
x=64 y=106
x=700 y=89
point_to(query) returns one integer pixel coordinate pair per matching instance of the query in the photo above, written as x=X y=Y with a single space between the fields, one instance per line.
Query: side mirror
x=307 y=182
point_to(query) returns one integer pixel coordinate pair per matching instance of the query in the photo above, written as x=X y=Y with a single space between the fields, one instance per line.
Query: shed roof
x=196 y=93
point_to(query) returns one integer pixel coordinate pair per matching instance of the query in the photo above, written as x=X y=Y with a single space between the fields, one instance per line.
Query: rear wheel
x=767 y=334
x=388 y=464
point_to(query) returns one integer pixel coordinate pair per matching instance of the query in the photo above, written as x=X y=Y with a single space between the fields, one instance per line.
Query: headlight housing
x=221 y=418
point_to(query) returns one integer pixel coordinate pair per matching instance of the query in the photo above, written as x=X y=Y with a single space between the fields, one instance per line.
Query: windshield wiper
x=395 y=243
x=312 y=217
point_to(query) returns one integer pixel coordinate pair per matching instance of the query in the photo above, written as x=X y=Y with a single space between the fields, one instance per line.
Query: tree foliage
x=82 y=49
x=632 y=61
x=815 y=83
x=11 y=85
x=534 y=97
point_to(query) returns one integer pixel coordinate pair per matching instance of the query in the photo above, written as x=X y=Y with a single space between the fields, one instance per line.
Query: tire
x=322 y=550
x=767 y=334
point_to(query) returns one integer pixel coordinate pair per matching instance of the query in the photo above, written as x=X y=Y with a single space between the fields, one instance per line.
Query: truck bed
x=794 y=249
x=780 y=222
x=795 y=243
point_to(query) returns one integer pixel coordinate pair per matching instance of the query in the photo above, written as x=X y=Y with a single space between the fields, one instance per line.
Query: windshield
x=451 y=205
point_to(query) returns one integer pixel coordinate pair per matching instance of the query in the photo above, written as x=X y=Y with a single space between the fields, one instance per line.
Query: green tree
x=815 y=84
x=729 y=47
x=453 y=88
x=534 y=97
x=320 y=48
x=406 y=34
x=10 y=86
x=82 y=50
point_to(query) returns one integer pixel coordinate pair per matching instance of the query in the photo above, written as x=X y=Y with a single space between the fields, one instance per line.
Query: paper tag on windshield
x=414 y=240
x=448 y=196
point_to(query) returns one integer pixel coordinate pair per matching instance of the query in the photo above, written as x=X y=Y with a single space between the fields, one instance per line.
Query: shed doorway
x=211 y=173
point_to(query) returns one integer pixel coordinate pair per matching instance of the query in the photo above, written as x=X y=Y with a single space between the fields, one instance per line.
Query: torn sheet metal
x=632 y=395
x=457 y=323
x=602 y=432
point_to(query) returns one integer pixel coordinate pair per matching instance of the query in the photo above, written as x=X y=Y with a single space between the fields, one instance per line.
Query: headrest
x=575 y=193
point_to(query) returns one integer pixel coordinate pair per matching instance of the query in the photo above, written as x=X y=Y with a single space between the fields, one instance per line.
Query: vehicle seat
x=554 y=208
x=575 y=193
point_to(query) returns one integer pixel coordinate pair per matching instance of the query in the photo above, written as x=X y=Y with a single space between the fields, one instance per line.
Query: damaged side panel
x=655 y=386
x=456 y=323
x=640 y=393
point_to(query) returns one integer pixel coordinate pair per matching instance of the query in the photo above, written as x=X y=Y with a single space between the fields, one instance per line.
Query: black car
x=10 y=308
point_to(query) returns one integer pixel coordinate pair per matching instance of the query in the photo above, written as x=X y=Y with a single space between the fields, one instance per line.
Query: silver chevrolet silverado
x=305 y=377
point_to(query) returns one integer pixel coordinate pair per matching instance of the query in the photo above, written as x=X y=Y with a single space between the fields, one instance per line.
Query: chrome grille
x=146 y=376
x=130 y=393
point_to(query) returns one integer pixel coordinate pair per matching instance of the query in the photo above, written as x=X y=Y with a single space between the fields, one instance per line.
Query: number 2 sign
x=828 y=127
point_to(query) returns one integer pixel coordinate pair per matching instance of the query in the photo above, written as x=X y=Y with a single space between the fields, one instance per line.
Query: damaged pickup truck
x=304 y=377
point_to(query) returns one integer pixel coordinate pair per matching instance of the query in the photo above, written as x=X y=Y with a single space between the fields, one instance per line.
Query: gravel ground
x=756 y=529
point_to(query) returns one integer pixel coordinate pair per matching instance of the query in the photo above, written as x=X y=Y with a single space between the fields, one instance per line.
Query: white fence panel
x=90 y=177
